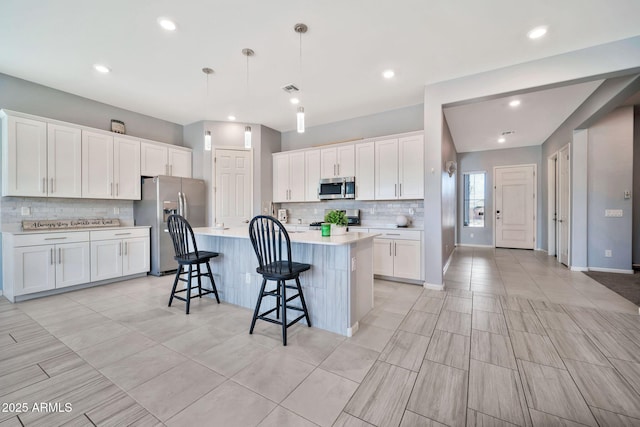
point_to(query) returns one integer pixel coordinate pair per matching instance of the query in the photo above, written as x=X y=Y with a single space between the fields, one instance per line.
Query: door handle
x=497 y=214
x=559 y=220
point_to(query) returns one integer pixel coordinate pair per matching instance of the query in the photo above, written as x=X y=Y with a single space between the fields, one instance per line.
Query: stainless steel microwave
x=337 y=188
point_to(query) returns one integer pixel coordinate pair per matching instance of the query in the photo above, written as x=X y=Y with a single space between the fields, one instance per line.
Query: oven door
x=331 y=188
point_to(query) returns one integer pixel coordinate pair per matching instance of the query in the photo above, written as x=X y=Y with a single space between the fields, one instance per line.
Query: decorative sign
x=59 y=224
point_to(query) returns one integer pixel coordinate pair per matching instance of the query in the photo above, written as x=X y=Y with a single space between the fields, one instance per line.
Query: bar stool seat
x=183 y=239
x=271 y=243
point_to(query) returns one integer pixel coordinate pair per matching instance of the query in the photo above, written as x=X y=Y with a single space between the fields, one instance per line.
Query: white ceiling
x=349 y=44
x=477 y=126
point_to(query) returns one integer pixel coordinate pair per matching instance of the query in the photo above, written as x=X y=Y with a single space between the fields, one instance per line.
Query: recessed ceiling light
x=102 y=68
x=514 y=103
x=167 y=24
x=537 y=32
x=231 y=118
x=502 y=140
x=388 y=74
x=294 y=101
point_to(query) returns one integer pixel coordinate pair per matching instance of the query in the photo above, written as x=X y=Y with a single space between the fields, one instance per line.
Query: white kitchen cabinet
x=399 y=168
x=365 y=171
x=116 y=253
x=126 y=168
x=311 y=175
x=110 y=167
x=40 y=159
x=161 y=159
x=337 y=161
x=289 y=177
x=44 y=261
x=397 y=253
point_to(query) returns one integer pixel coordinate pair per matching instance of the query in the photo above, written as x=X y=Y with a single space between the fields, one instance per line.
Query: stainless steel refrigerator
x=161 y=197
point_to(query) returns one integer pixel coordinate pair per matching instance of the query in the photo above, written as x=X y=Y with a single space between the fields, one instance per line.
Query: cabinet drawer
x=396 y=234
x=120 y=233
x=50 y=238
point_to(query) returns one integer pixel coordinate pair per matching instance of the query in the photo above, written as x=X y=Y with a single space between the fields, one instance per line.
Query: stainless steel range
x=353 y=218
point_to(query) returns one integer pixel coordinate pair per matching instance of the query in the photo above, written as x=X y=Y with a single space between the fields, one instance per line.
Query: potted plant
x=338 y=221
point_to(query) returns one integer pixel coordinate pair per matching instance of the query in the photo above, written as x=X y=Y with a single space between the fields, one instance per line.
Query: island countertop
x=313 y=237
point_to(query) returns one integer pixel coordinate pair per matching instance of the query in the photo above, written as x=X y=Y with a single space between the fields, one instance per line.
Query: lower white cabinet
x=119 y=253
x=38 y=262
x=397 y=253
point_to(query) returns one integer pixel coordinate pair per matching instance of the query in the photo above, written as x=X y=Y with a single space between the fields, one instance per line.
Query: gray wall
x=387 y=123
x=32 y=98
x=448 y=195
x=270 y=142
x=636 y=186
x=485 y=161
x=610 y=160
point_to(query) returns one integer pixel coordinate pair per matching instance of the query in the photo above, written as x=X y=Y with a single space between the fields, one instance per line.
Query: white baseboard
x=541 y=250
x=468 y=245
x=574 y=268
x=611 y=270
x=353 y=329
x=433 y=287
x=446 y=265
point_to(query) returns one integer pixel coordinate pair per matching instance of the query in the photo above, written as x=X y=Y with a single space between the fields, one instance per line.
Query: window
x=474 y=199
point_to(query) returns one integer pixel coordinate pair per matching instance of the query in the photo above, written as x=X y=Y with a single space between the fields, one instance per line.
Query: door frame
x=569 y=223
x=214 y=187
x=552 y=184
x=535 y=200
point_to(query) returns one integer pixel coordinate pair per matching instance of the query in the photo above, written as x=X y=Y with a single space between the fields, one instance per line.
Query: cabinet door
x=72 y=264
x=281 y=178
x=97 y=165
x=411 y=167
x=311 y=175
x=383 y=257
x=180 y=163
x=328 y=163
x=106 y=259
x=136 y=258
x=346 y=161
x=296 y=177
x=365 y=171
x=126 y=168
x=154 y=159
x=406 y=259
x=24 y=157
x=386 y=169
x=64 y=165
x=34 y=269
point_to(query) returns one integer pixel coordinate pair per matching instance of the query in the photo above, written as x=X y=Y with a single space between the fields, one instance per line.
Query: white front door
x=515 y=196
x=563 y=205
x=233 y=187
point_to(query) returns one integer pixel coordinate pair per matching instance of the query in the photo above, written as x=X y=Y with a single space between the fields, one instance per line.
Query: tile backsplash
x=54 y=208
x=372 y=213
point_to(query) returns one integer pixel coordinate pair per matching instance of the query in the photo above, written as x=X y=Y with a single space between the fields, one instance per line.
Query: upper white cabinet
x=365 y=171
x=289 y=177
x=40 y=159
x=110 y=167
x=399 y=168
x=160 y=159
x=337 y=161
x=311 y=175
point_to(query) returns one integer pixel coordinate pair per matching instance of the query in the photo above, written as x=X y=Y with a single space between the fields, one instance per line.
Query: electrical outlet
x=607 y=253
x=627 y=194
x=471 y=235
x=116 y=211
x=247 y=278
x=353 y=264
x=25 y=211
x=372 y=211
x=412 y=211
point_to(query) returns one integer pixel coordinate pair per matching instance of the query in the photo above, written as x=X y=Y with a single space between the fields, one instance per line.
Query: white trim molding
x=433 y=287
x=611 y=270
x=353 y=329
x=469 y=245
x=574 y=268
x=446 y=265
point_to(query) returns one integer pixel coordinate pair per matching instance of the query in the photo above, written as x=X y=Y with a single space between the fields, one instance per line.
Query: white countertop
x=313 y=237
x=70 y=230
x=361 y=226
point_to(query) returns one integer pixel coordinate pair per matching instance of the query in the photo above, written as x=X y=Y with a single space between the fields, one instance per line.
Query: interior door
x=515 y=199
x=563 y=205
x=233 y=187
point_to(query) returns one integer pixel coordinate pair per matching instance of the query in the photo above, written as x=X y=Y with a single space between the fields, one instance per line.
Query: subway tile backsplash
x=372 y=213
x=54 y=208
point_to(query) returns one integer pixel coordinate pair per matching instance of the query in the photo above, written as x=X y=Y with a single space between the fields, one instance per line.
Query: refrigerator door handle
x=180 y=208
x=185 y=207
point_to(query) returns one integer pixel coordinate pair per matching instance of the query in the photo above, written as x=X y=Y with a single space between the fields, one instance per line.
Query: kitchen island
x=338 y=289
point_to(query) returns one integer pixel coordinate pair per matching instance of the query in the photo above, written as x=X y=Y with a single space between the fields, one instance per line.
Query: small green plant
x=336 y=217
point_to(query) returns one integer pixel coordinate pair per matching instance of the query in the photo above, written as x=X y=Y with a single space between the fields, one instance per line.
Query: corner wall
x=636 y=187
x=449 y=153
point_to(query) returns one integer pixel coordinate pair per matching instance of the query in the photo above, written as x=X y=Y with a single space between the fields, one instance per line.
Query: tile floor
x=514 y=340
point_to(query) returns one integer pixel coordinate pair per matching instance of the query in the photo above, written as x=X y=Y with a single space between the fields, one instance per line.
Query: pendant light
x=207 y=134
x=300 y=29
x=247 y=129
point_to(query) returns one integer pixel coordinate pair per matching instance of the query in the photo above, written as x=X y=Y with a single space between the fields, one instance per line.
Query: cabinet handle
x=395 y=249
x=44 y=185
x=125 y=248
x=389 y=248
x=166 y=169
x=117 y=189
x=52 y=255
x=338 y=169
x=55 y=238
x=111 y=189
x=334 y=170
x=395 y=190
x=52 y=190
x=122 y=234
x=171 y=170
x=400 y=189
x=120 y=249
x=59 y=256
x=392 y=234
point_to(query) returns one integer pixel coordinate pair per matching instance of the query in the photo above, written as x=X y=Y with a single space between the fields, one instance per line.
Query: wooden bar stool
x=269 y=238
x=183 y=238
